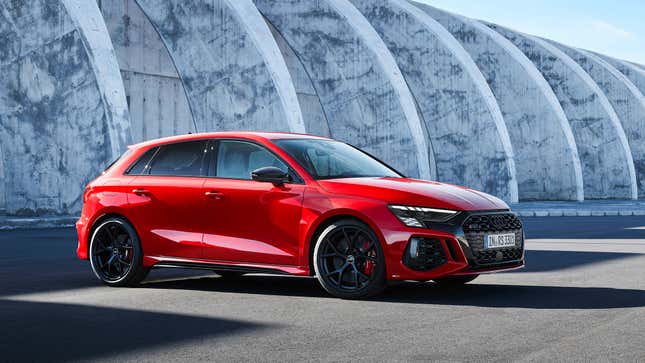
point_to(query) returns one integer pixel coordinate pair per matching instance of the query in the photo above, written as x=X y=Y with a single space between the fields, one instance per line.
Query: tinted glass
x=237 y=159
x=328 y=159
x=141 y=166
x=182 y=159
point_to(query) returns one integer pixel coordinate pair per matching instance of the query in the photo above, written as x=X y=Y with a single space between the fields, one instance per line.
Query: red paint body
x=247 y=223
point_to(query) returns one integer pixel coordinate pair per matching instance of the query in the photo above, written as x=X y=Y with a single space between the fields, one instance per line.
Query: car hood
x=414 y=192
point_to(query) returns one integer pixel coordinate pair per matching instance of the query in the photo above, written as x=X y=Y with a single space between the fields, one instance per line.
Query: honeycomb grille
x=430 y=254
x=476 y=228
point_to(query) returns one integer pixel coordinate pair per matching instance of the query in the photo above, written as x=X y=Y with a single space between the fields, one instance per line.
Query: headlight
x=418 y=216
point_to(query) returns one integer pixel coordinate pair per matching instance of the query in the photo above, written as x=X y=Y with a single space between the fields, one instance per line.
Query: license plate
x=500 y=240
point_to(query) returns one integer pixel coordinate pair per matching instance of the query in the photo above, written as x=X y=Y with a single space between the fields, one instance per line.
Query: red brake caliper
x=369 y=265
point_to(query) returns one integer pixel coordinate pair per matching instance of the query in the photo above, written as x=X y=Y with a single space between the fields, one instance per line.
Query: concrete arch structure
x=3 y=195
x=607 y=163
x=92 y=29
x=313 y=113
x=229 y=63
x=630 y=70
x=626 y=99
x=62 y=126
x=453 y=97
x=363 y=94
x=546 y=155
x=157 y=100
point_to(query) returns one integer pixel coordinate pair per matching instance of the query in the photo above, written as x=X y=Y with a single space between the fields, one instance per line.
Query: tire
x=230 y=275
x=454 y=281
x=116 y=255
x=349 y=247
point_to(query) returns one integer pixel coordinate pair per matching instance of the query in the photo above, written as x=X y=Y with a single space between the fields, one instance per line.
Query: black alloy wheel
x=349 y=261
x=115 y=254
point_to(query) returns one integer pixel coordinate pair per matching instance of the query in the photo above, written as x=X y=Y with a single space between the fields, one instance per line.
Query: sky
x=615 y=28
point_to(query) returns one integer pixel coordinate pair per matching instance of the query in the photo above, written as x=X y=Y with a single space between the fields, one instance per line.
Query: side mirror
x=271 y=174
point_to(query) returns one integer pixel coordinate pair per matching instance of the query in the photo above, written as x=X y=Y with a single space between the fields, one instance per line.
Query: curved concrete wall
x=88 y=19
x=312 y=111
x=454 y=99
x=361 y=89
x=229 y=63
x=546 y=156
x=3 y=195
x=625 y=98
x=156 y=97
x=57 y=119
x=631 y=71
x=607 y=164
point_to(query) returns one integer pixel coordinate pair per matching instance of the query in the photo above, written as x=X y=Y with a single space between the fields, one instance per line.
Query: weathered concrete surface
x=88 y=19
x=229 y=63
x=607 y=164
x=631 y=71
x=156 y=97
x=53 y=124
x=312 y=111
x=363 y=94
x=3 y=199
x=546 y=155
x=626 y=99
x=453 y=97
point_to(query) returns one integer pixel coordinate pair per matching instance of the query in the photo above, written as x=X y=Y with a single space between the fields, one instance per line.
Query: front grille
x=476 y=227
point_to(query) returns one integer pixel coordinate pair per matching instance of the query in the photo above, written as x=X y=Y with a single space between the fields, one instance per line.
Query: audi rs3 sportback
x=247 y=202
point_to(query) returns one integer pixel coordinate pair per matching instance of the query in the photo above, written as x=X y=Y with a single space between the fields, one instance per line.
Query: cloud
x=610 y=29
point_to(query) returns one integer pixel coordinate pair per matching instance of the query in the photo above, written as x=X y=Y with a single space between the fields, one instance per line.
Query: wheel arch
x=104 y=217
x=328 y=219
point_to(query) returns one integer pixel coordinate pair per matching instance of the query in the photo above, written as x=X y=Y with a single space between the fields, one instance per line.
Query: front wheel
x=349 y=260
x=116 y=255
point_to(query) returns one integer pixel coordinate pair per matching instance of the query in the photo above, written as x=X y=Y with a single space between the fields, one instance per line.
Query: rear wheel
x=116 y=255
x=349 y=260
x=452 y=281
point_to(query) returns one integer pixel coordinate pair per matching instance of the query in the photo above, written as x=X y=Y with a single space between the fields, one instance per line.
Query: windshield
x=328 y=159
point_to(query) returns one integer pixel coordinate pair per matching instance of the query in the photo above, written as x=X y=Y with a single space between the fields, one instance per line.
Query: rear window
x=142 y=165
x=181 y=159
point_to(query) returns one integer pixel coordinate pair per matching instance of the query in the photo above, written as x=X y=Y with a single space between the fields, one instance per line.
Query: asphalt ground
x=580 y=298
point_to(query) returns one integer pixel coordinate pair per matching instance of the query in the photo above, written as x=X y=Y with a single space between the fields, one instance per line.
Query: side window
x=237 y=159
x=181 y=159
x=140 y=167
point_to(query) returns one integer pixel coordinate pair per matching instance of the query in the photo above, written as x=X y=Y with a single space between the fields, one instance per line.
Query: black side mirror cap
x=271 y=174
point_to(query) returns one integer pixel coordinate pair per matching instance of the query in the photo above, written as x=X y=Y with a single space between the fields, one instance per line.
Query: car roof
x=249 y=135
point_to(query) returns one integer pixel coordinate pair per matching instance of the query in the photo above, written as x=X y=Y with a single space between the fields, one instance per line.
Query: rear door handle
x=214 y=195
x=140 y=192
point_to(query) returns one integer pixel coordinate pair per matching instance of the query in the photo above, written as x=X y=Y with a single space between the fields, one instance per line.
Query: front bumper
x=456 y=248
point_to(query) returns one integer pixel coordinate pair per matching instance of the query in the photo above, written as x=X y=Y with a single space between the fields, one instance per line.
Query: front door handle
x=140 y=192
x=214 y=195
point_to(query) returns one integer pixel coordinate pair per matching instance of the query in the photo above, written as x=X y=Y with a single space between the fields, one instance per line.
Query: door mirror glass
x=271 y=174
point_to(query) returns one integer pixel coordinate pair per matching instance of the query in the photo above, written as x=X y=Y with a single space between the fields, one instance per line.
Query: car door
x=166 y=200
x=246 y=220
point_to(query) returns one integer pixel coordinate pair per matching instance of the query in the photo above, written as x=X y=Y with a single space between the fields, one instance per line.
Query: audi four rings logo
x=498 y=221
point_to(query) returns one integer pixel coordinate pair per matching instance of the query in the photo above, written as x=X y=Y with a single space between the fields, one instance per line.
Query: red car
x=248 y=202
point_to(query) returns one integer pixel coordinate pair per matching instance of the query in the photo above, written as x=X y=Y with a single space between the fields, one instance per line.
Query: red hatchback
x=243 y=202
